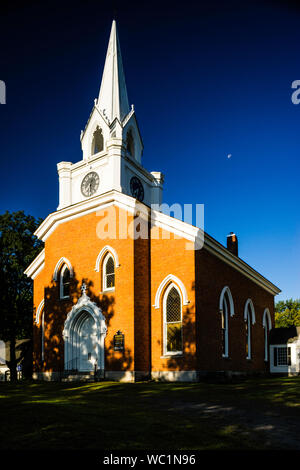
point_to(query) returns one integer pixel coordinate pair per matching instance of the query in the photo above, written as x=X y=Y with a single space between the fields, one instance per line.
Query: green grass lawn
x=252 y=414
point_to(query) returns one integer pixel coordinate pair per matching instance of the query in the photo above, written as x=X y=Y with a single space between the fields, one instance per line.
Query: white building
x=285 y=350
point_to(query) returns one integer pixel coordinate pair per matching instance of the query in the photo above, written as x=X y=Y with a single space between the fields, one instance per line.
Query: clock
x=90 y=184
x=136 y=188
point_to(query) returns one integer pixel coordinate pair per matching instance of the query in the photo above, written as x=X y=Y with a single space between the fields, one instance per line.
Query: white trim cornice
x=36 y=266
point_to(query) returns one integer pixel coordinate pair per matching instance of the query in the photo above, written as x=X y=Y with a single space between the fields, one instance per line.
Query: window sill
x=64 y=298
x=112 y=289
x=171 y=355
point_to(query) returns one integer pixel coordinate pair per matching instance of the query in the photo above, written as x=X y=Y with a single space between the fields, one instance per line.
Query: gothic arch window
x=108 y=273
x=226 y=308
x=172 y=319
x=267 y=325
x=130 y=143
x=43 y=335
x=224 y=326
x=64 y=282
x=39 y=311
x=97 y=142
x=249 y=317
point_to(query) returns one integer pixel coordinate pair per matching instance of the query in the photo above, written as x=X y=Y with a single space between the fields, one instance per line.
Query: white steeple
x=111 y=145
x=113 y=99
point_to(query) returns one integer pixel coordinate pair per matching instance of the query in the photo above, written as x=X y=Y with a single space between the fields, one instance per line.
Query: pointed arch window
x=249 y=317
x=172 y=321
x=224 y=325
x=64 y=282
x=267 y=325
x=98 y=142
x=130 y=143
x=43 y=335
x=226 y=306
x=108 y=273
x=248 y=335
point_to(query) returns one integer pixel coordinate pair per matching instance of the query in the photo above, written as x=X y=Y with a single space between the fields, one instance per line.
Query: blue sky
x=207 y=79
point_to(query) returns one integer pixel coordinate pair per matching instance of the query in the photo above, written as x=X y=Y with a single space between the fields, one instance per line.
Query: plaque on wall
x=119 y=341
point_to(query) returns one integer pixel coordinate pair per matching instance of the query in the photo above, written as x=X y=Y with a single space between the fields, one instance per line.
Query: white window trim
x=248 y=321
x=227 y=291
x=267 y=325
x=38 y=312
x=164 y=283
x=43 y=335
x=165 y=352
x=225 y=311
x=60 y=263
x=105 y=260
x=61 y=285
x=249 y=317
x=103 y=253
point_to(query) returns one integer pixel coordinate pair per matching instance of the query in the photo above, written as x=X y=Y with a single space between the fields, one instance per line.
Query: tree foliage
x=287 y=313
x=18 y=248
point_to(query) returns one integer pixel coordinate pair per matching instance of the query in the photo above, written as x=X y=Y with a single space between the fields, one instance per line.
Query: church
x=125 y=292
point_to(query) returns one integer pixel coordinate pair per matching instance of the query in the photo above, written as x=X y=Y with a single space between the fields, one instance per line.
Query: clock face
x=136 y=188
x=90 y=184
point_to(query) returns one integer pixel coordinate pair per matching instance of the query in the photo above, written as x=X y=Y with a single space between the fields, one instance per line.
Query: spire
x=113 y=99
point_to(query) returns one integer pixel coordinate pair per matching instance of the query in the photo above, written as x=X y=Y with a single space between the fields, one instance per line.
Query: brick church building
x=126 y=291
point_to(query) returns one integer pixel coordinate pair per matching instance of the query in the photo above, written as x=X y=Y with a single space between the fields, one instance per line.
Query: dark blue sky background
x=207 y=79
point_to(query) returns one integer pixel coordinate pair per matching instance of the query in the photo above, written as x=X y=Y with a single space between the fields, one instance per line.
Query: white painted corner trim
x=249 y=303
x=38 y=312
x=59 y=264
x=103 y=252
x=167 y=280
x=229 y=295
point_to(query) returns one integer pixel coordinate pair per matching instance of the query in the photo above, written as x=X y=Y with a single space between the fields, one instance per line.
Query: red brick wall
x=143 y=266
x=77 y=241
x=211 y=276
x=169 y=256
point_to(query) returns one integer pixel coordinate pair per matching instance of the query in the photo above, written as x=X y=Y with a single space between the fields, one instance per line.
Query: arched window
x=249 y=317
x=226 y=310
x=108 y=272
x=43 y=336
x=172 y=321
x=130 y=143
x=224 y=326
x=97 y=143
x=267 y=325
x=64 y=282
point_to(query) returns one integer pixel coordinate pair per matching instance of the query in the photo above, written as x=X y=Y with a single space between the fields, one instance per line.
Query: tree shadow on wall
x=55 y=314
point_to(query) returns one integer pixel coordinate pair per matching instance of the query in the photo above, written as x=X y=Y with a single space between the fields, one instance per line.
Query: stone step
x=80 y=377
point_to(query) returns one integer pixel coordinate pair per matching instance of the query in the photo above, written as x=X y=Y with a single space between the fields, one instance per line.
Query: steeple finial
x=113 y=99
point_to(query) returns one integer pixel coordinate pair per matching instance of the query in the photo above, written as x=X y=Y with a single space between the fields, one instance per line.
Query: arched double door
x=84 y=334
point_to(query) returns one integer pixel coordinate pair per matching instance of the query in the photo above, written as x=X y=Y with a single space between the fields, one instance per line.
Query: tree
x=287 y=313
x=18 y=248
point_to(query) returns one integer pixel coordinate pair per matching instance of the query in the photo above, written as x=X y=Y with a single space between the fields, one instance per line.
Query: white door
x=88 y=345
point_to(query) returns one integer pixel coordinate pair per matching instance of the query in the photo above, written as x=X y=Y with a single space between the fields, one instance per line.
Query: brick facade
x=130 y=307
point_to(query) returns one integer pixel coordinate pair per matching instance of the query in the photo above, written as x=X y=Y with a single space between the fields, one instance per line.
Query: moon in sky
x=229 y=155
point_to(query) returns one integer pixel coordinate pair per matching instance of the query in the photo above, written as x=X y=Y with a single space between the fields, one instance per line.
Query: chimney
x=232 y=243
